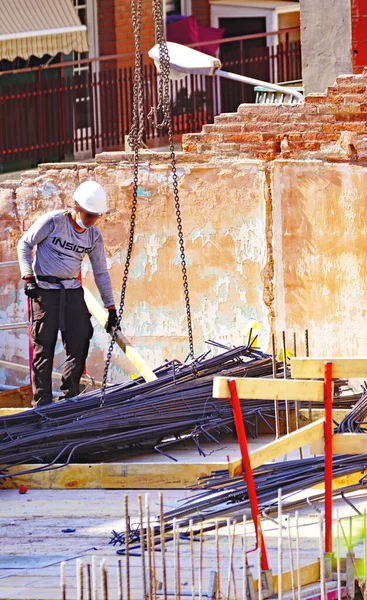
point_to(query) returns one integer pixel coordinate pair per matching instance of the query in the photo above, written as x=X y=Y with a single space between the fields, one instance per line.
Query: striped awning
x=39 y=27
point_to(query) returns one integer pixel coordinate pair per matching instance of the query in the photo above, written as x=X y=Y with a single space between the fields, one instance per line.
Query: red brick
x=347 y=89
x=228 y=118
x=274 y=137
x=316 y=98
x=222 y=128
x=189 y=147
x=347 y=117
x=192 y=137
x=241 y=137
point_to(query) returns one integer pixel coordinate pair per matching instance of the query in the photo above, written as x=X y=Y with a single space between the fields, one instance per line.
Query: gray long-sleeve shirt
x=60 y=250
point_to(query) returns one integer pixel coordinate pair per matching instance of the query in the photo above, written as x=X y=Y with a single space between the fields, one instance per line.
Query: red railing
x=54 y=113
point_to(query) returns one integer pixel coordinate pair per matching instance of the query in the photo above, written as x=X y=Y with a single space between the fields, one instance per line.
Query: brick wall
x=316 y=126
x=359 y=37
x=124 y=32
x=106 y=27
x=201 y=10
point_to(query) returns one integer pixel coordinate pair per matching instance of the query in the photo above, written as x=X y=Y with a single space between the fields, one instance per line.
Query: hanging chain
x=164 y=108
x=135 y=140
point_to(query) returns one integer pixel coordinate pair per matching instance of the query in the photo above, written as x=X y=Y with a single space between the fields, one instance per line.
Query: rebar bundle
x=356 y=420
x=179 y=403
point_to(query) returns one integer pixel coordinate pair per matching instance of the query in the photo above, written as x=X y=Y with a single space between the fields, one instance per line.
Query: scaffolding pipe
x=9 y=263
x=22 y=325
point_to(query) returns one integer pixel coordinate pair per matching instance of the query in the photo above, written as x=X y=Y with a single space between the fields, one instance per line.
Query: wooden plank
x=253 y=388
x=4 y=412
x=318 y=413
x=343 y=481
x=114 y=476
x=287 y=443
x=132 y=354
x=18 y=397
x=343 y=443
x=308 y=574
x=313 y=368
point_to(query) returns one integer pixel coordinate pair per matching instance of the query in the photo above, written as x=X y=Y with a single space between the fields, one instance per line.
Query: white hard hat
x=91 y=196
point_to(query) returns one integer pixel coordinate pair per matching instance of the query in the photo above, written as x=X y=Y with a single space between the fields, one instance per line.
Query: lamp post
x=186 y=61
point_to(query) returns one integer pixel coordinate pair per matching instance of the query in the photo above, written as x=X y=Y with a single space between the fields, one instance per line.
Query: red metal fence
x=54 y=113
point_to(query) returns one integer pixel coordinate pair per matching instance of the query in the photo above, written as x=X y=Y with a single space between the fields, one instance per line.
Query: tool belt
x=53 y=279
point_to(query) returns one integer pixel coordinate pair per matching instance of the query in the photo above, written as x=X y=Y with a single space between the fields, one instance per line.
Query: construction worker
x=62 y=238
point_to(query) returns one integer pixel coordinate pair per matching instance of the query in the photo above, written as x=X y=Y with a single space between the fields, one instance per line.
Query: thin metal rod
x=217 y=550
x=154 y=572
x=163 y=547
x=322 y=557
x=201 y=543
x=232 y=560
x=94 y=578
x=244 y=560
x=192 y=559
x=287 y=415
x=79 y=579
x=338 y=570
x=297 y=404
x=120 y=593
x=127 y=548
x=89 y=581
x=62 y=581
x=104 y=582
x=276 y=401
x=149 y=545
x=176 y=539
x=307 y=351
x=280 y=545
x=291 y=559
x=298 y=562
x=259 y=537
x=142 y=545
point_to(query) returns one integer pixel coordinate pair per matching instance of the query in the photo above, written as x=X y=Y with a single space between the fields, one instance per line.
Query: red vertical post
x=247 y=471
x=328 y=454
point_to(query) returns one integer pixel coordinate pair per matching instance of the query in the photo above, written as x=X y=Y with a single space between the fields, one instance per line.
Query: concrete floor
x=32 y=530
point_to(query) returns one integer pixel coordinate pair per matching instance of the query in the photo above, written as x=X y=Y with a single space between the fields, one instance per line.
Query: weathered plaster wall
x=224 y=214
x=320 y=254
x=326 y=35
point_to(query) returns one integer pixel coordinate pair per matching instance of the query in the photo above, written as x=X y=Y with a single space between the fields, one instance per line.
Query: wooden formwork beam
x=283 y=445
x=253 y=388
x=20 y=397
x=132 y=475
x=343 y=368
x=343 y=443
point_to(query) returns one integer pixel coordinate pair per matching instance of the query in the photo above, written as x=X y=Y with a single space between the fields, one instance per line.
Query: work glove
x=31 y=288
x=112 y=318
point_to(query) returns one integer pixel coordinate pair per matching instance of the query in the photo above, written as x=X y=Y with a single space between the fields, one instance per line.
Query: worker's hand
x=112 y=318
x=30 y=287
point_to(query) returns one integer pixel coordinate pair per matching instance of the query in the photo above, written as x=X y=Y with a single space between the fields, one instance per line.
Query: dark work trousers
x=77 y=330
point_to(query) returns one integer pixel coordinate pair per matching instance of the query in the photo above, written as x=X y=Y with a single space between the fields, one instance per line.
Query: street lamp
x=185 y=61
